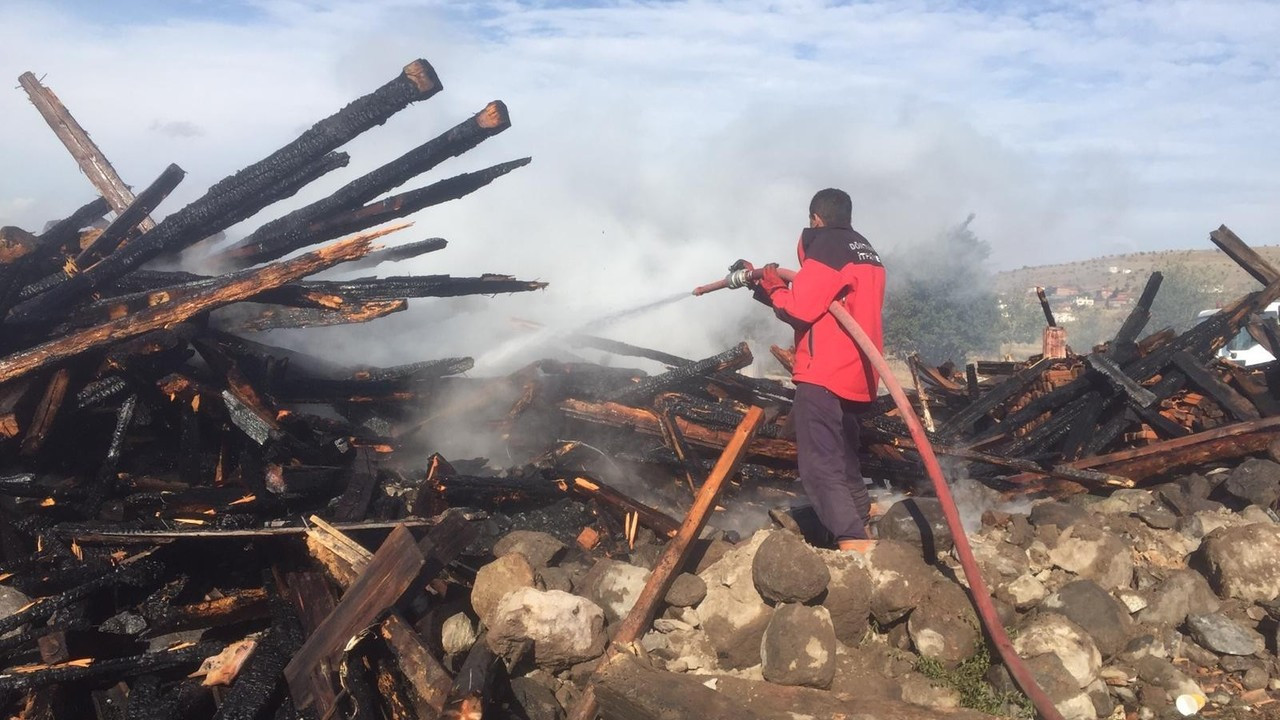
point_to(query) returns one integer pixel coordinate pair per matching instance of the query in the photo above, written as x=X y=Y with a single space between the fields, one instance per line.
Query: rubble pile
x=194 y=523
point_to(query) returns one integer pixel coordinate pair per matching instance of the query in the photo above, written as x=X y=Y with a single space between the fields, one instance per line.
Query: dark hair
x=833 y=206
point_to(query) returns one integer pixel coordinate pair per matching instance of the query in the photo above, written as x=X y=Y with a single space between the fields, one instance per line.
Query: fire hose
x=978 y=591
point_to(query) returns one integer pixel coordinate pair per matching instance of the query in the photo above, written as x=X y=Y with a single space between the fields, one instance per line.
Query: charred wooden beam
x=46 y=412
x=131 y=217
x=472 y=691
x=1044 y=305
x=1113 y=374
x=993 y=398
x=407 y=203
x=361 y=479
x=293 y=231
x=1245 y=256
x=60 y=646
x=425 y=675
x=26 y=361
x=211 y=212
x=397 y=253
x=1258 y=393
x=35 y=676
x=1236 y=405
x=734 y=358
x=65 y=234
x=233 y=607
x=1123 y=346
x=644 y=421
x=289 y=186
x=659 y=522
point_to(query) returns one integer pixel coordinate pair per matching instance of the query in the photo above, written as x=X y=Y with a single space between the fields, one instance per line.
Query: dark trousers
x=827 y=448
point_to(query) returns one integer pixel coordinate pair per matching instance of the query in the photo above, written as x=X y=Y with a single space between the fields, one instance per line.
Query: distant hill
x=1109 y=274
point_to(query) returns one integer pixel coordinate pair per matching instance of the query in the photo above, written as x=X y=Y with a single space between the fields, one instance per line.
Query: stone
x=920 y=690
x=554 y=578
x=1182 y=593
x=1093 y=553
x=12 y=601
x=562 y=629
x=686 y=590
x=539 y=548
x=733 y=614
x=1255 y=678
x=1255 y=481
x=1163 y=674
x=1244 y=562
x=999 y=560
x=1062 y=688
x=1133 y=600
x=918 y=521
x=1085 y=603
x=1058 y=514
x=1023 y=592
x=1157 y=517
x=786 y=569
x=1053 y=634
x=1223 y=635
x=614 y=586
x=457 y=634
x=535 y=700
x=493 y=581
x=899 y=580
x=1124 y=502
x=681 y=647
x=1196 y=653
x=1194 y=485
x=848 y=597
x=1020 y=531
x=799 y=647
x=943 y=627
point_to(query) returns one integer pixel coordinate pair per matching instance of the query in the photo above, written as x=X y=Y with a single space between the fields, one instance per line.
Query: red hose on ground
x=977 y=587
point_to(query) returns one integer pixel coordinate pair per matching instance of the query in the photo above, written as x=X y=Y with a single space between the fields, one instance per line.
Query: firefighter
x=834 y=381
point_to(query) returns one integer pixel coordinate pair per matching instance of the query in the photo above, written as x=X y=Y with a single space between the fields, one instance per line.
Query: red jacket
x=834 y=263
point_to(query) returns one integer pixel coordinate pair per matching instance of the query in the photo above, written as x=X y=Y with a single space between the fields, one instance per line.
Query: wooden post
x=92 y=162
x=677 y=551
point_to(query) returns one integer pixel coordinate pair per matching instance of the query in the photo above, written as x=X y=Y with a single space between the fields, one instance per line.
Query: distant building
x=1084 y=301
x=1065 y=291
x=1113 y=269
x=1065 y=316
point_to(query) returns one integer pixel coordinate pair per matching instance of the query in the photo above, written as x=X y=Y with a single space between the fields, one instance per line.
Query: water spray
x=978 y=591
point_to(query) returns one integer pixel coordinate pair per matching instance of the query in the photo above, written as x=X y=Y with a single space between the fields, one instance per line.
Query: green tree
x=1183 y=294
x=939 y=302
x=1021 y=319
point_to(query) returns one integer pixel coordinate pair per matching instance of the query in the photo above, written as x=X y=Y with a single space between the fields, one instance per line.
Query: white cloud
x=670 y=138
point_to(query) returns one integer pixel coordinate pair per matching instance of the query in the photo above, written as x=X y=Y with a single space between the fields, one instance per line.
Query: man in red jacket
x=834 y=381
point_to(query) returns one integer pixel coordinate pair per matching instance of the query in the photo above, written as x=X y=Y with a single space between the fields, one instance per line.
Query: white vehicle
x=1243 y=349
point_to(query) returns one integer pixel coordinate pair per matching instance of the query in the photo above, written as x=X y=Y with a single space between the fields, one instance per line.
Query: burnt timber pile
x=196 y=523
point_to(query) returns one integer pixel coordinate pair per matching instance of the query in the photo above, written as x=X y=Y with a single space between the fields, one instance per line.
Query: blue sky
x=671 y=137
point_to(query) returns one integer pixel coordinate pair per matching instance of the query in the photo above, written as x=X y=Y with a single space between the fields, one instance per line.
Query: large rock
x=457 y=634
x=562 y=629
x=1223 y=635
x=899 y=580
x=944 y=626
x=1085 y=603
x=680 y=646
x=493 y=581
x=1182 y=593
x=1061 y=687
x=1023 y=592
x=733 y=614
x=799 y=647
x=1095 y=554
x=535 y=700
x=539 y=548
x=1254 y=481
x=1058 y=514
x=918 y=521
x=1049 y=633
x=1244 y=562
x=786 y=569
x=848 y=597
x=686 y=590
x=1164 y=675
x=614 y=586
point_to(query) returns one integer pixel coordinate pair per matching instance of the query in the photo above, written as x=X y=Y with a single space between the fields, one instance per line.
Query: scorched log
x=215 y=208
x=262 y=318
x=131 y=217
x=284 y=235
x=734 y=358
x=397 y=253
x=274 y=275
x=406 y=203
x=641 y=420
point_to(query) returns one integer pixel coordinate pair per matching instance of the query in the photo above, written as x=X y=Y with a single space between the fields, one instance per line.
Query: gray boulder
x=848 y=597
x=899 y=580
x=786 y=569
x=1223 y=635
x=1157 y=517
x=733 y=614
x=918 y=521
x=943 y=626
x=535 y=699
x=539 y=548
x=1163 y=674
x=495 y=580
x=1085 y=603
x=1049 y=633
x=1061 y=687
x=799 y=647
x=1255 y=481
x=614 y=586
x=457 y=634
x=686 y=590
x=1093 y=553
x=561 y=629
x=1182 y=593
x=1058 y=514
x=1244 y=562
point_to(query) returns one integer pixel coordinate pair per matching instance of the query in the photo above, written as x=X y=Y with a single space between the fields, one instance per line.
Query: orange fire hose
x=977 y=587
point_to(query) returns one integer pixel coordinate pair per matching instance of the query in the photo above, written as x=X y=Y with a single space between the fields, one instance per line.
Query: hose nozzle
x=737 y=279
